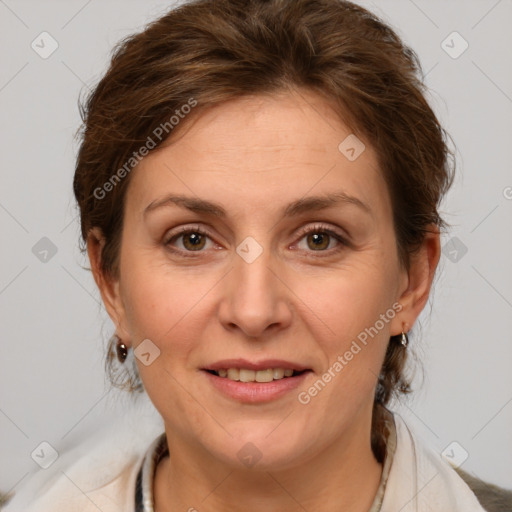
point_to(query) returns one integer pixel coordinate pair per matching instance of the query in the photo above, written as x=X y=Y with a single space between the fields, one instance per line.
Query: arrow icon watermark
x=44 y=455
x=249 y=249
x=146 y=352
x=351 y=147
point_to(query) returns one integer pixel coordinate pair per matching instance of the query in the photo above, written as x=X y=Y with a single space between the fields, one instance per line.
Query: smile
x=247 y=375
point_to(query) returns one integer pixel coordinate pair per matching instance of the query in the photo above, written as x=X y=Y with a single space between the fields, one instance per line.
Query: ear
x=417 y=282
x=108 y=286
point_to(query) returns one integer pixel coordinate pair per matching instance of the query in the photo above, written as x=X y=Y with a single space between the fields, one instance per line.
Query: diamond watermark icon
x=249 y=249
x=44 y=45
x=454 y=249
x=146 y=352
x=454 y=45
x=44 y=250
x=455 y=454
x=249 y=455
x=44 y=455
x=351 y=147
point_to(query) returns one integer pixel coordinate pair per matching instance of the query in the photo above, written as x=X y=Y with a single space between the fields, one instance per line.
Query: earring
x=404 y=340
x=121 y=348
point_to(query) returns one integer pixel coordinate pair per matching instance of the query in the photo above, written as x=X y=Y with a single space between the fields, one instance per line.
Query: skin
x=296 y=302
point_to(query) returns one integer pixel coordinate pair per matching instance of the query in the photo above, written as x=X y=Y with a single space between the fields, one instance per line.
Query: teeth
x=233 y=374
x=245 y=375
x=265 y=375
x=278 y=373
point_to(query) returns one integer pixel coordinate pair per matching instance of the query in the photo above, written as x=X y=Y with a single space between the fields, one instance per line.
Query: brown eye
x=193 y=241
x=318 y=241
x=188 y=240
x=322 y=240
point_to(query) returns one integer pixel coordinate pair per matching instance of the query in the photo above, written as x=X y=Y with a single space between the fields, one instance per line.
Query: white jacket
x=103 y=477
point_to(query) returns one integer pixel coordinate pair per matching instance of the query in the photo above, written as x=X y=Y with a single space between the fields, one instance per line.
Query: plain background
x=54 y=331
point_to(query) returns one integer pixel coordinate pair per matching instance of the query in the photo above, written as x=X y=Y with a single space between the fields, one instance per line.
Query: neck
x=344 y=476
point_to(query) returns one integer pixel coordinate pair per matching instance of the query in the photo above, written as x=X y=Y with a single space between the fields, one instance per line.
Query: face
x=252 y=237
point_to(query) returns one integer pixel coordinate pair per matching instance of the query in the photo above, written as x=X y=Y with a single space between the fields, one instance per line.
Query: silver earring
x=404 y=340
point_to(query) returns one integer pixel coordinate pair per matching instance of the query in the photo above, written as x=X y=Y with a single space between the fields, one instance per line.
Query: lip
x=260 y=365
x=255 y=392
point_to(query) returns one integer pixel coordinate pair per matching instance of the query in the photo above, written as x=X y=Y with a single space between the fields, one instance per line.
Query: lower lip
x=256 y=392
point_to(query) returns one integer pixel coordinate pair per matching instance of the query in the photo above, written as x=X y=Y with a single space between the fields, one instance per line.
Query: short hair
x=204 y=52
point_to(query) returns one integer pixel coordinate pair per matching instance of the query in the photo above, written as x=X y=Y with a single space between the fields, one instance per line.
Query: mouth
x=250 y=382
x=248 y=375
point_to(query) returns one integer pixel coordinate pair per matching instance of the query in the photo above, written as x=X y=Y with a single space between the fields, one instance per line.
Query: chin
x=263 y=447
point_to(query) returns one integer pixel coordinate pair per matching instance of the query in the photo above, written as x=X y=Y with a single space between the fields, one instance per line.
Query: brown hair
x=208 y=52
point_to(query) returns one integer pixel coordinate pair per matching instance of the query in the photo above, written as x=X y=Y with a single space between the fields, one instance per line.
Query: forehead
x=258 y=150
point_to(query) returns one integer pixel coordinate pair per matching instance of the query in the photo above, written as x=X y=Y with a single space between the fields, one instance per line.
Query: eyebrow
x=303 y=205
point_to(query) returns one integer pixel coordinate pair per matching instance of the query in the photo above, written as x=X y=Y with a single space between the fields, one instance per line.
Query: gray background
x=52 y=385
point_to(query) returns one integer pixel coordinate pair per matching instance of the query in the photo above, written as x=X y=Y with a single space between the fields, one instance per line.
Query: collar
x=421 y=480
x=158 y=449
x=144 y=484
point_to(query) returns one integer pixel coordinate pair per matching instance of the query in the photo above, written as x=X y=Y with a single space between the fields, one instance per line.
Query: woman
x=258 y=184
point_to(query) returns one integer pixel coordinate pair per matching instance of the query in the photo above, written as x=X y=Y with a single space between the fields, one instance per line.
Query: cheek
x=349 y=316
x=155 y=297
x=347 y=301
x=172 y=309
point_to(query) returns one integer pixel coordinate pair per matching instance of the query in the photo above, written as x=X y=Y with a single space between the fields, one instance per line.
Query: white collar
x=421 y=480
x=415 y=478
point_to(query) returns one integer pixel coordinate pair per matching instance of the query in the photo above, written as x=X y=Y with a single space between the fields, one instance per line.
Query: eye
x=320 y=238
x=193 y=239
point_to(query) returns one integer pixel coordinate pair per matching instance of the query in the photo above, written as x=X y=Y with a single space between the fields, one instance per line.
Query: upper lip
x=260 y=365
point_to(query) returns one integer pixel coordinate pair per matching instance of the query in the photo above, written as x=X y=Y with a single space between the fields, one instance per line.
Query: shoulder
x=79 y=490
x=490 y=496
x=420 y=479
x=86 y=478
x=98 y=473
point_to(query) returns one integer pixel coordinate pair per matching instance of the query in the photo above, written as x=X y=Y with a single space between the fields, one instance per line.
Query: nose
x=255 y=299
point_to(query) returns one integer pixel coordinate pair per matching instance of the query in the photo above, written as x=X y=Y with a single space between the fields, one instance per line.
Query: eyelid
x=303 y=231
x=176 y=233
x=324 y=228
x=342 y=239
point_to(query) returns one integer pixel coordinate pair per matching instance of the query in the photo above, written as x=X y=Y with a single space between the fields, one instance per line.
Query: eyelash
x=317 y=228
x=323 y=229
